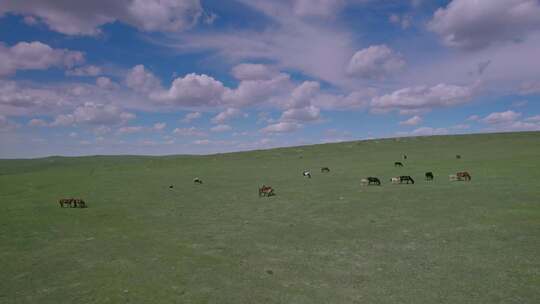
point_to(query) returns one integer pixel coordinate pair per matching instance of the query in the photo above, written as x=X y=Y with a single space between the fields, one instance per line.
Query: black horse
x=67 y=201
x=374 y=180
x=429 y=176
x=325 y=169
x=458 y=156
x=398 y=164
x=79 y=202
x=404 y=156
x=406 y=178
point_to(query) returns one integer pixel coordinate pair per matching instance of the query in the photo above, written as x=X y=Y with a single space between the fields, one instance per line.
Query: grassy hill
x=320 y=240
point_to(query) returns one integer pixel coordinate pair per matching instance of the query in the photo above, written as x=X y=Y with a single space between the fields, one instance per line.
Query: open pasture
x=324 y=239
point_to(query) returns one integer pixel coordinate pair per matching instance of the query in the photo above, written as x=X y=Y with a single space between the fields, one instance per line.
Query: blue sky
x=207 y=76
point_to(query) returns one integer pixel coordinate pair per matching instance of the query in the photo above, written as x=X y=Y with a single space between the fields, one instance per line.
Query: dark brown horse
x=266 y=191
x=463 y=176
x=325 y=169
x=374 y=180
x=398 y=164
x=429 y=176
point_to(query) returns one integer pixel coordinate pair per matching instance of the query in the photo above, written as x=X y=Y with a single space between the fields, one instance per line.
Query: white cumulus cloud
x=227 y=115
x=281 y=127
x=191 y=131
x=501 y=117
x=423 y=97
x=94 y=114
x=475 y=24
x=252 y=71
x=309 y=113
x=375 y=62
x=86 y=17
x=221 y=128
x=35 y=56
x=189 y=117
x=88 y=70
x=141 y=80
x=413 y=121
x=193 y=90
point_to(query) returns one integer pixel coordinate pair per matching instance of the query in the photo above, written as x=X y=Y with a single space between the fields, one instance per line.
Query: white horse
x=395 y=180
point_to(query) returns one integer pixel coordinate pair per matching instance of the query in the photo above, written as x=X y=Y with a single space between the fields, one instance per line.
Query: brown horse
x=266 y=191
x=463 y=176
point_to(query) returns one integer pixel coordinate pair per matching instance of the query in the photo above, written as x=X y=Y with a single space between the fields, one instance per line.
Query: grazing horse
x=306 y=173
x=266 y=191
x=325 y=169
x=197 y=180
x=464 y=176
x=398 y=164
x=458 y=156
x=395 y=180
x=429 y=176
x=406 y=178
x=79 y=202
x=66 y=201
x=374 y=180
x=364 y=182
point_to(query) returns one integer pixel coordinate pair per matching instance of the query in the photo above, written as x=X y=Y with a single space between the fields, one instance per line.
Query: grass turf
x=319 y=240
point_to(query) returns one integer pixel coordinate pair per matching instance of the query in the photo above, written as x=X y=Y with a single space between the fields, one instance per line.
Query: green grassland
x=320 y=240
